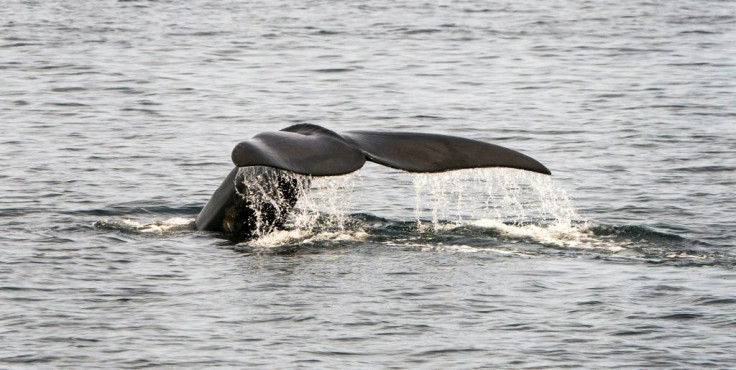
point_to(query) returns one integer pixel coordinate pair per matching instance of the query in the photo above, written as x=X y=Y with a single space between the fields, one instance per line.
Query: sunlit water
x=117 y=120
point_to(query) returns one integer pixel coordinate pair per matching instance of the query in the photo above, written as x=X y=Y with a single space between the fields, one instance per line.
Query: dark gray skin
x=258 y=194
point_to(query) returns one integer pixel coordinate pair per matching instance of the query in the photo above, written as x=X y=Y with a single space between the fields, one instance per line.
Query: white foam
x=459 y=248
x=559 y=235
x=688 y=256
x=286 y=237
x=155 y=227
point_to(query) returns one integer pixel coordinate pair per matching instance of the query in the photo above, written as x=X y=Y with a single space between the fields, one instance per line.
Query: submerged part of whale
x=262 y=189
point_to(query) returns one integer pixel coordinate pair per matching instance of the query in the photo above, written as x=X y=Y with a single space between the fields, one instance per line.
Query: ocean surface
x=117 y=119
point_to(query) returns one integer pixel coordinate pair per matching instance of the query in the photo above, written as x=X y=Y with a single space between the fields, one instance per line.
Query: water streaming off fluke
x=505 y=195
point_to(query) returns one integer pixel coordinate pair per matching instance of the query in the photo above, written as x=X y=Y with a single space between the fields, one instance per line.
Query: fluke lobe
x=258 y=194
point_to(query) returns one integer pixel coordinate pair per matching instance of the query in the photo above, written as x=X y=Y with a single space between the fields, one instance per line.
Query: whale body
x=273 y=168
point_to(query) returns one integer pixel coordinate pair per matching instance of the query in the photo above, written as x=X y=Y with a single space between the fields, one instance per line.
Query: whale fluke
x=303 y=149
x=314 y=150
x=261 y=190
x=415 y=152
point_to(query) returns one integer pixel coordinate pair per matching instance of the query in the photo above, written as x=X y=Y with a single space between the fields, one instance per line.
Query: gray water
x=117 y=120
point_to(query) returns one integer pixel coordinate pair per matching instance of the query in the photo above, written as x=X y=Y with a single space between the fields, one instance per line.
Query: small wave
x=326 y=33
x=135 y=209
x=19 y=44
x=698 y=32
x=700 y=169
x=564 y=235
x=334 y=70
x=299 y=240
x=466 y=248
x=286 y=237
x=152 y=227
x=422 y=31
x=68 y=89
x=450 y=248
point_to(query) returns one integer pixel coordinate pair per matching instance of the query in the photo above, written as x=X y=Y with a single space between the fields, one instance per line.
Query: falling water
x=516 y=203
x=506 y=196
x=326 y=204
x=321 y=212
x=269 y=193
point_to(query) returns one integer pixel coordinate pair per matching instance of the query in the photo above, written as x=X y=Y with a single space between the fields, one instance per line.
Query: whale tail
x=241 y=204
x=314 y=150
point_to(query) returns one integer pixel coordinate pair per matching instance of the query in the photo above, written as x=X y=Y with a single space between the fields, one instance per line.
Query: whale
x=272 y=169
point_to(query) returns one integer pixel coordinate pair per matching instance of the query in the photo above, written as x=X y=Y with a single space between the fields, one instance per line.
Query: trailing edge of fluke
x=246 y=209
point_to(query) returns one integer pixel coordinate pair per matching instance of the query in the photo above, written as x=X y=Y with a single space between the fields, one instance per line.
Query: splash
x=267 y=196
x=320 y=214
x=516 y=203
x=270 y=194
